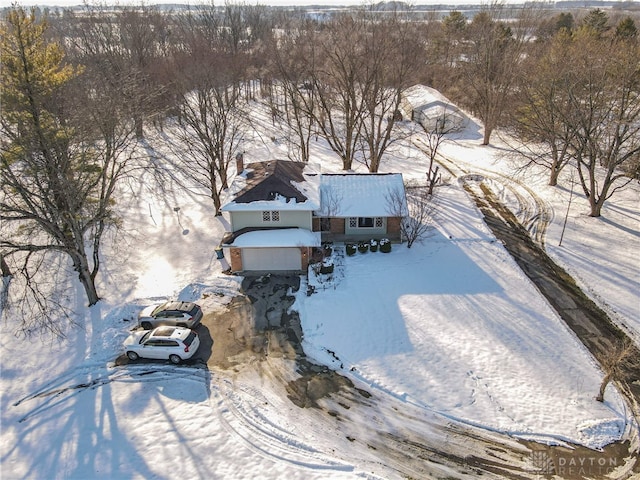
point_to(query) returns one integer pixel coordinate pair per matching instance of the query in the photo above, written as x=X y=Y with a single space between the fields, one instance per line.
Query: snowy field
x=456 y=327
x=450 y=328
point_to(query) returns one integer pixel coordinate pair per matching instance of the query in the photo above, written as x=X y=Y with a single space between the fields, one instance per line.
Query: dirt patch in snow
x=259 y=324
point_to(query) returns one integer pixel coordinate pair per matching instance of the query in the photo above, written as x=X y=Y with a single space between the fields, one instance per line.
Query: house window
x=366 y=222
x=270 y=216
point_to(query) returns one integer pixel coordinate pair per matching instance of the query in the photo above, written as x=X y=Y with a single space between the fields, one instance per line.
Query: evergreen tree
x=626 y=28
x=58 y=165
x=596 y=21
x=564 y=21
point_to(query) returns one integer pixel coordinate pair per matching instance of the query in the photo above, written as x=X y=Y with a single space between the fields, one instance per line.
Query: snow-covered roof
x=274 y=185
x=421 y=95
x=284 y=185
x=431 y=103
x=360 y=195
x=282 y=237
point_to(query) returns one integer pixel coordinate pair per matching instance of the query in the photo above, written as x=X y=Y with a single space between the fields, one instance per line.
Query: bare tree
x=494 y=50
x=357 y=66
x=292 y=65
x=605 y=101
x=61 y=157
x=393 y=56
x=447 y=122
x=614 y=363
x=578 y=103
x=416 y=209
x=337 y=83
x=211 y=121
x=126 y=47
x=542 y=108
x=209 y=135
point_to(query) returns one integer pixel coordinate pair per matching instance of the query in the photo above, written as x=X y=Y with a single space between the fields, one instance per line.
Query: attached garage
x=271 y=259
x=285 y=249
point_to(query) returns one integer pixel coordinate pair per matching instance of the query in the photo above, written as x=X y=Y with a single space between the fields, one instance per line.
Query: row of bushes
x=383 y=245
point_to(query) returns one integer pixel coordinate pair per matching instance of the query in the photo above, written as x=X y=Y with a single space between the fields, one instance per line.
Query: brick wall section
x=236 y=259
x=337 y=225
x=305 y=256
x=393 y=228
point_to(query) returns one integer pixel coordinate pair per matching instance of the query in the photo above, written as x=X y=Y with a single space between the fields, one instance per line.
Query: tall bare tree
x=211 y=121
x=61 y=146
x=540 y=119
x=393 y=54
x=126 y=46
x=293 y=95
x=357 y=65
x=338 y=84
x=606 y=108
x=494 y=50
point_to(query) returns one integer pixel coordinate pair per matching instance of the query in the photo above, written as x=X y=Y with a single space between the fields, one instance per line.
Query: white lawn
x=451 y=328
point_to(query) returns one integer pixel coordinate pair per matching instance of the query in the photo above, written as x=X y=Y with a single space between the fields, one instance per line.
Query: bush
x=373 y=245
x=326 y=268
x=385 y=245
x=363 y=247
x=351 y=249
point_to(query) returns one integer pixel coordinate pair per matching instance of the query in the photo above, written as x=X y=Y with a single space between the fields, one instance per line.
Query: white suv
x=173 y=343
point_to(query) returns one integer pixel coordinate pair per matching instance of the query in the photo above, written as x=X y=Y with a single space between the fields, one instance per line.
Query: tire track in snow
x=74 y=382
x=533 y=212
x=241 y=411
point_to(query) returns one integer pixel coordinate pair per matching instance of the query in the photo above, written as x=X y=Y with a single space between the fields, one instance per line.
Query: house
x=355 y=207
x=429 y=108
x=280 y=213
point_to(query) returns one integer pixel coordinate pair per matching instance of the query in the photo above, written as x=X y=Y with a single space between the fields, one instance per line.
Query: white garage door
x=271 y=259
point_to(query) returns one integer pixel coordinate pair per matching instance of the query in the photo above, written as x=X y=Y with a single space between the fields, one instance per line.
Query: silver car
x=180 y=314
x=165 y=343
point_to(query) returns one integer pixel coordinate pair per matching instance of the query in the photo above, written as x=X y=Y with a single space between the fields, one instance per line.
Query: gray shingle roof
x=267 y=180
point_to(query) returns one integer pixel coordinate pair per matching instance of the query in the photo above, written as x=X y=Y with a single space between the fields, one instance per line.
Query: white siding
x=300 y=219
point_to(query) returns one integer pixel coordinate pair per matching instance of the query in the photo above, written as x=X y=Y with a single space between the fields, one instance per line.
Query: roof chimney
x=240 y=163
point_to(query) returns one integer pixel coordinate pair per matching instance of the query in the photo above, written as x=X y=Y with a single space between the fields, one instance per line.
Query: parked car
x=180 y=314
x=171 y=343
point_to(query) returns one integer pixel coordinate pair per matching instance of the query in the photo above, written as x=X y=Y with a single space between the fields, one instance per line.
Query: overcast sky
x=66 y=3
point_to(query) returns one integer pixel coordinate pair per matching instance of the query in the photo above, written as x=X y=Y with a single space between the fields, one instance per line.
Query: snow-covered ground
x=455 y=326
x=450 y=328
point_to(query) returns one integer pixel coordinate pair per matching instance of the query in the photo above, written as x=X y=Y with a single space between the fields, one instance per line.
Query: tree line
x=81 y=87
